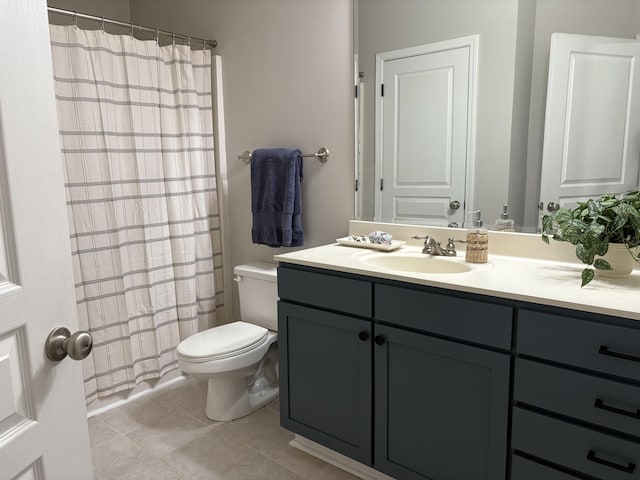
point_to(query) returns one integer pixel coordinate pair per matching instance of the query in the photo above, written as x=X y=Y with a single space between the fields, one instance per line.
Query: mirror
x=513 y=59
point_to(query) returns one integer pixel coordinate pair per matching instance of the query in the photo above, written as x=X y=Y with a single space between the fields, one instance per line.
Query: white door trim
x=470 y=42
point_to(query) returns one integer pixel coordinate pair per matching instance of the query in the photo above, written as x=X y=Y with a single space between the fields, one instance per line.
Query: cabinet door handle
x=599 y=403
x=629 y=468
x=363 y=335
x=625 y=356
x=379 y=339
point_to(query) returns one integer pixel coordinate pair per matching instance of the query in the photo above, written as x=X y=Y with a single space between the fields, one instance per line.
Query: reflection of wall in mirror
x=512 y=77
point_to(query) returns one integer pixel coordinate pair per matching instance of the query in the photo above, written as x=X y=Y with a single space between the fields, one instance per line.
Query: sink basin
x=417 y=263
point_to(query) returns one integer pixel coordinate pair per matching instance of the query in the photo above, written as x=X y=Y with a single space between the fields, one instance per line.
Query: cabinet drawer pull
x=605 y=351
x=379 y=339
x=363 y=335
x=591 y=456
x=599 y=403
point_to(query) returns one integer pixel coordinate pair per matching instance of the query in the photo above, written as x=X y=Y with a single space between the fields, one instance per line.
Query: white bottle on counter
x=504 y=223
x=477 y=240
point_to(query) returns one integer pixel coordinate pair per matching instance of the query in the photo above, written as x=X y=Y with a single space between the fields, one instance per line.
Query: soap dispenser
x=504 y=223
x=477 y=239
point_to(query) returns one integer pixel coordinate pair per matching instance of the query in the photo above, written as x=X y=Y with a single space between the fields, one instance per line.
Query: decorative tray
x=373 y=246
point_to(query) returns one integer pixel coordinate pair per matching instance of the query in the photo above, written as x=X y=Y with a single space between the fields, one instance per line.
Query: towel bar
x=322 y=154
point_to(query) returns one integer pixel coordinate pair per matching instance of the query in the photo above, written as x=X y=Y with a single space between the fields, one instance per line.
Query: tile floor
x=166 y=436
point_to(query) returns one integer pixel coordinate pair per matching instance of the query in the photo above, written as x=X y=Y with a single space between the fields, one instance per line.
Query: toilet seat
x=222 y=342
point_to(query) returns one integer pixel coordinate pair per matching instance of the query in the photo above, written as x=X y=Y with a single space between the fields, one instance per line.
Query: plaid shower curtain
x=137 y=141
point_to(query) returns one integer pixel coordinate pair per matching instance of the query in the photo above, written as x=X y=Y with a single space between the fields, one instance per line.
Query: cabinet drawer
x=524 y=469
x=595 y=346
x=325 y=290
x=578 y=448
x=461 y=318
x=596 y=400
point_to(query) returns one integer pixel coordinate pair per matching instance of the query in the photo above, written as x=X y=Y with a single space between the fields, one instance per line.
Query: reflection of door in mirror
x=592 y=126
x=424 y=131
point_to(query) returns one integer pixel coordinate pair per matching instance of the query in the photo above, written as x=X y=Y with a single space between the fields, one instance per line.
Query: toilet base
x=228 y=398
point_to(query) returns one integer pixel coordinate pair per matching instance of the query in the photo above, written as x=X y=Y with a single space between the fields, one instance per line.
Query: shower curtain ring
x=188 y=40
x=157 y=35
x=75 y=19
x=102 y=23
x=131 y=29
x=173 y=38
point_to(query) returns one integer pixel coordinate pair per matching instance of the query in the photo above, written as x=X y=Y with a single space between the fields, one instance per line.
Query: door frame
x=471 y=42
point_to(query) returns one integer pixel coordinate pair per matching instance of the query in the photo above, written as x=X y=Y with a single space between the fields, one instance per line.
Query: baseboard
x=105 y=404
x=337 y=460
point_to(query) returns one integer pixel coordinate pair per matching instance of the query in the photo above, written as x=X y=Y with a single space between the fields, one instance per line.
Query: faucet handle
x=428 y=239
x=451 y=245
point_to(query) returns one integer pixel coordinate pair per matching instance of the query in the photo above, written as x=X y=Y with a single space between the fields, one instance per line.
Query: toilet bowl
x=239 y=359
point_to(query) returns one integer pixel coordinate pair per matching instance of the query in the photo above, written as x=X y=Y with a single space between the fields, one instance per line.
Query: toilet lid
x=223 y=341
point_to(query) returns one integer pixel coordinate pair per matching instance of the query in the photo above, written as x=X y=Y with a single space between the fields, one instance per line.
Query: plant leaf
x=601 y=248
x=587 y=276
x=547 y=223
x=602 y=264
x=585 y=254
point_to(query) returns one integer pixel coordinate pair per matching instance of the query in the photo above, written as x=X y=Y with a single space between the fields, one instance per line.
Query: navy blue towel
x=276 y=201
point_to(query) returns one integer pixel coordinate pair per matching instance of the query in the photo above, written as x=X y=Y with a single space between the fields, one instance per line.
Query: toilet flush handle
x=237 y=278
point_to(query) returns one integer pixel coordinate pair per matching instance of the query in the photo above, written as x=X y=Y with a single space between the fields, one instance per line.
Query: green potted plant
x=594 y=225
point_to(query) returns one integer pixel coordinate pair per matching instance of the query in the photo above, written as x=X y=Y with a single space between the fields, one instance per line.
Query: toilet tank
x=258 y=294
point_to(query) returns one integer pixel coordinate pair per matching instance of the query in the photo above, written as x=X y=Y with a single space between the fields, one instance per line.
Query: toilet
x=239 y=359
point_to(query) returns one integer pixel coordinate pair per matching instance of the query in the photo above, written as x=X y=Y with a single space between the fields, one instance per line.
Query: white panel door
x=592 y=125
x=426 y=114
x=43 y=425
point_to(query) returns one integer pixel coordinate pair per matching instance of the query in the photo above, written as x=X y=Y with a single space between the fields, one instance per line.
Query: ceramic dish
x=373 y=246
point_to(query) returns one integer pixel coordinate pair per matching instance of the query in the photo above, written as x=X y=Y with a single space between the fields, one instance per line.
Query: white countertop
x=532 y=280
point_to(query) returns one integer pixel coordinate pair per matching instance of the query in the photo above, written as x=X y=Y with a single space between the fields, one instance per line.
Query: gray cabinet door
x=325 y=378
x=441 y=408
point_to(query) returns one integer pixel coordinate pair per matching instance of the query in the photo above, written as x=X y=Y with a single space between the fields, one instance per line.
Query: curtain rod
x=157 y=31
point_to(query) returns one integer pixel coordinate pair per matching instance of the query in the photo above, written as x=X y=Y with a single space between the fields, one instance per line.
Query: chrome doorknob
x=61 y=343
x=553 y=207
x=455 y=205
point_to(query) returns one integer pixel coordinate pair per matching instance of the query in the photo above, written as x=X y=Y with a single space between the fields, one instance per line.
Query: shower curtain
x=136 y=130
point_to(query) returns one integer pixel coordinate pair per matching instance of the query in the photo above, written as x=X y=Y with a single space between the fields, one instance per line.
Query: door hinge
x=382 y=184
x=355 y=91
x=382 y=89
x=357 y=184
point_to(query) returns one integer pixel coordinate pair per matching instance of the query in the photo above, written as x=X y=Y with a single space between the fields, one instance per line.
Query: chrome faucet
x=433 y=247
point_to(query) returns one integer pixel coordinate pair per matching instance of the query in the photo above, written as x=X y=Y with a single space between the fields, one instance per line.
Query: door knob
x=61 y=343
x=363 y=335
x=553 y=207
x=455 y=205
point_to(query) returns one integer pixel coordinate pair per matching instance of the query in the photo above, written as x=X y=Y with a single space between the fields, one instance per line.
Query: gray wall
x=287 y=72
x=114 y=9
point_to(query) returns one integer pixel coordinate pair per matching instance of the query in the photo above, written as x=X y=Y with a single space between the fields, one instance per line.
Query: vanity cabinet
x=440 y=407
x=405 y=380
x=431 y=383
x=325 y=360
x=577 y=396
x=325 y=378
